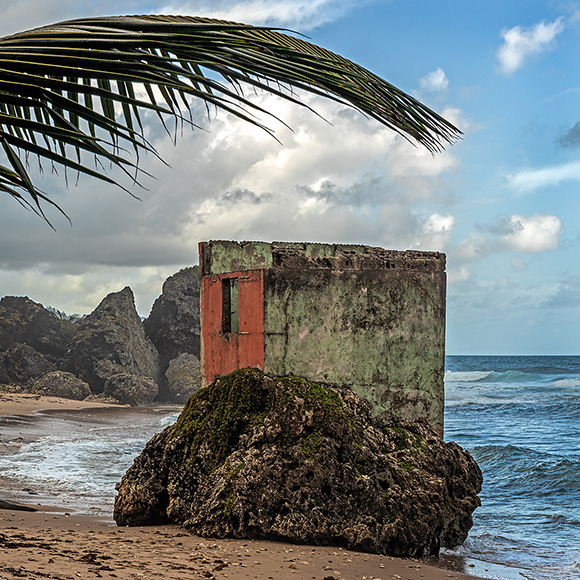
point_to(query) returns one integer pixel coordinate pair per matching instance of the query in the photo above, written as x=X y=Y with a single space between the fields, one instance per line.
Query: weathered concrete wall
x=365 y=317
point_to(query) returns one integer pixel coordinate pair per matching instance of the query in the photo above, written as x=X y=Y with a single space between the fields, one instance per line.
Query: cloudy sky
x=503 y=203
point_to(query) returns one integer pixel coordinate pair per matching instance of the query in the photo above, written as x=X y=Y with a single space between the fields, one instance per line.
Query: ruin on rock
x=320 y=419
x=351 y=315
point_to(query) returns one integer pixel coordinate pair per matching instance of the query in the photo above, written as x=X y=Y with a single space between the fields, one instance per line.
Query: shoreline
x=30 y=403
x=49 y=541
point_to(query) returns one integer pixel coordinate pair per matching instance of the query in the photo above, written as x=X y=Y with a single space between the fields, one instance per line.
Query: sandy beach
x=50 y=543
x=28 y=403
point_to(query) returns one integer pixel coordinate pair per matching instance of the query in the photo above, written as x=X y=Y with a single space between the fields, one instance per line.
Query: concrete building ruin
x=365 y=317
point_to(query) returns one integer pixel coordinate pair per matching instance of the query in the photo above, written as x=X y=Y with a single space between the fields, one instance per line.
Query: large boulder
x=183 y=377
x=112 y=340
x=62 y=384
x=173 y=324
x=27 y=322
x=130 y=389
x=259 y=456
x=23 y=364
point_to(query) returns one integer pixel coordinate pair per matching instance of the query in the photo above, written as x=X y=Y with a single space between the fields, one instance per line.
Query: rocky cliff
x=173 y=326
x=33 y=341
x=138 y=361
x=112 y=340
x=259 y=456
x=23 y=321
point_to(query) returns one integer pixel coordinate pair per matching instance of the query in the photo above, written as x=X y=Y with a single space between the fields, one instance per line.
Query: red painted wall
x=222 y=352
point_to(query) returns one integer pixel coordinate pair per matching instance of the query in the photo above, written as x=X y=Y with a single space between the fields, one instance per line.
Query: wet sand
x=28 y=403
x=54 y=544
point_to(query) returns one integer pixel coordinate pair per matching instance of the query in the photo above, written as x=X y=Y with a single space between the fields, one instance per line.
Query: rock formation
x=62 y=384
x=173 y=324
x=183 y=377
x=259 y=456
x=130 y=389
x=112 y=340
x=22 y=364
x=33 y=341
x=27 y=322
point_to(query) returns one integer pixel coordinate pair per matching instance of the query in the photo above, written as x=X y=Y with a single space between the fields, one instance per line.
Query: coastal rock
x=62 y=384
x=183 y=377
x=173 y=324
x=22 y=364
x=130 y=389
x=112 y=340
x=260 y=456
x=27 y=322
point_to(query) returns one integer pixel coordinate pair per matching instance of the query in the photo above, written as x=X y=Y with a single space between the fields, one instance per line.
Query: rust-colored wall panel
x=232 y=350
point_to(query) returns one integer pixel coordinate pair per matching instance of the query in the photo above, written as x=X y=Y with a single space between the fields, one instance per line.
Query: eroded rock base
x=266 y=457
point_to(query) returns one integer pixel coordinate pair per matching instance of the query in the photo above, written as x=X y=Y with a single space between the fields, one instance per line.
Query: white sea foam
x=466 y=376
x=82 y=468
x=575 y=382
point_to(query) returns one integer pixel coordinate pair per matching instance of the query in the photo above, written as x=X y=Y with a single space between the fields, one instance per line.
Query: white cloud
x=347 y=180
x=437 y=224
x=297 y=14
x=434 y=81
x=80 y=293
x=436 y=232
x=567 y=294
x=520 y=43
x=20 y=15
x=300 y=15
x=531 y=179
x=456 y=275
x=534 y=233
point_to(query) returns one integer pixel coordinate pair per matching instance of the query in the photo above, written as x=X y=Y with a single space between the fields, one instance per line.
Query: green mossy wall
x=380 y=332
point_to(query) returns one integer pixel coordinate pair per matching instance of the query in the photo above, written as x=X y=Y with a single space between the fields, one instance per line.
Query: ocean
x=519 y=416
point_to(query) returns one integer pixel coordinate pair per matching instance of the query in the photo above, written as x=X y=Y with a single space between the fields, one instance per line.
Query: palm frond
x=72 y=87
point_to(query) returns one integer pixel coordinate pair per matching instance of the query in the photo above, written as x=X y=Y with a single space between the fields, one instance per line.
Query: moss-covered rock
x=259 y=456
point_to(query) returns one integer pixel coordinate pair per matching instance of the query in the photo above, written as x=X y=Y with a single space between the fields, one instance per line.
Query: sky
x=503 y=203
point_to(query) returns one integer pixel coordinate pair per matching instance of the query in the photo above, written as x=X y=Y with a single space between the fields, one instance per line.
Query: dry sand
x=52 y=544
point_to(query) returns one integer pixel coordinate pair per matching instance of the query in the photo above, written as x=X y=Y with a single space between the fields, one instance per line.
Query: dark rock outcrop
x=22 y=364
x=27 y=322
x=62 y=384
x=258 y=456
x=130 y=389
x=112 y=340
x=173 y=324
x=183 y=377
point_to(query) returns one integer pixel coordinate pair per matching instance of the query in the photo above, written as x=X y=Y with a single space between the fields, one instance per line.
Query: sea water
x=520 y=419
x=518 y=416
x=74 y=459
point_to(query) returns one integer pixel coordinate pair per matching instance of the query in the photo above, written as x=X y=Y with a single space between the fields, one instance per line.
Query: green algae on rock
x=260 y=456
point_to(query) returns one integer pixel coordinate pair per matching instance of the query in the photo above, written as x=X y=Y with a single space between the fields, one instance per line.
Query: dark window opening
x=230 y=318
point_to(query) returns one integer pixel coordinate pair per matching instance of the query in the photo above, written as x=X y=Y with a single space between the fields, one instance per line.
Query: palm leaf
x=71 y=87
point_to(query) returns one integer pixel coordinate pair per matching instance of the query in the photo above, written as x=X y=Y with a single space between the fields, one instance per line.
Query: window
x=230 y=317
